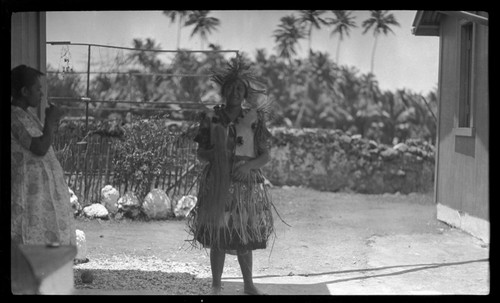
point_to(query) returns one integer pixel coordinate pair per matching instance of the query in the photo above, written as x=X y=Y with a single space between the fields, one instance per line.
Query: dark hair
x=22 y=76
x=232 y=82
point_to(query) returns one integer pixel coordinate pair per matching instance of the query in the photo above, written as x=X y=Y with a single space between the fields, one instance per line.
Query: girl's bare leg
x=217 y=258
x=245 y=260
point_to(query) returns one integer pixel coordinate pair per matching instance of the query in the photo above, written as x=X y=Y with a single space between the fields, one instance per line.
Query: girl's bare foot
x=252 y=290
x=216 y=290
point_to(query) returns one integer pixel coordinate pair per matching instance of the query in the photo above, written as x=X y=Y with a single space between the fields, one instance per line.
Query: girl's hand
x=242 y=172
x=53 y=114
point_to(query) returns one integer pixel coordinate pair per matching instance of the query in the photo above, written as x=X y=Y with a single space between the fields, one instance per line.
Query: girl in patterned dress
x=41 y=212
x=233 y=212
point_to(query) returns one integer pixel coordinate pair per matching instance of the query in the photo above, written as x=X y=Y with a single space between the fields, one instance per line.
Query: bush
x=145 y=154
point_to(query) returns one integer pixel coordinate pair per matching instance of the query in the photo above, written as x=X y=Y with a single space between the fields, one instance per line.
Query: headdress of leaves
x=257 y=96
x=238 y=69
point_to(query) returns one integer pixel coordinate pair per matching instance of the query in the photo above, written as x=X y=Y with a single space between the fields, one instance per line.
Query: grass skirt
x=246 y=222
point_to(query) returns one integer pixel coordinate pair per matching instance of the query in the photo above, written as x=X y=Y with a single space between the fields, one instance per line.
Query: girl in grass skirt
x=233 y=212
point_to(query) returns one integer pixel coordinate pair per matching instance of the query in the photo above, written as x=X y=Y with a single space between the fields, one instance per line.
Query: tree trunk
x=310 y=34
x=202 y=39
x=179 y=33
x=373 y=53
x=299 y=115
x=338 y=52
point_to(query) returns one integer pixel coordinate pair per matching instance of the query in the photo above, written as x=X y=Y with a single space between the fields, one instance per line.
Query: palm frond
x=267 y=108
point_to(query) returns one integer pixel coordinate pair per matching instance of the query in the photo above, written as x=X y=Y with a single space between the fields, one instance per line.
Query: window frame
x=465 y=79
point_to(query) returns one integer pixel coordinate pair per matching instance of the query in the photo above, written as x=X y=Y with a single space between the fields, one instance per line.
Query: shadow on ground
x=148 y=282
x=298 y=287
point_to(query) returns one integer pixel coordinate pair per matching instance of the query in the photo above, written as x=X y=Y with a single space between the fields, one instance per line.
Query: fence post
x=88 y=90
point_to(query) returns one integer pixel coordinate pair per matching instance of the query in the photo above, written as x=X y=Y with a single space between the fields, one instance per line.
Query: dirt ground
x=337 y=243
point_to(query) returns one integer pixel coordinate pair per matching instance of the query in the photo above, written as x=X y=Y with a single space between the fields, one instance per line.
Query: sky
x=402 y=60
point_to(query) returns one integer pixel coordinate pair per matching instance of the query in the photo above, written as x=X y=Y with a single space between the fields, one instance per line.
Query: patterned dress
x=41 y=211
x=244 y=221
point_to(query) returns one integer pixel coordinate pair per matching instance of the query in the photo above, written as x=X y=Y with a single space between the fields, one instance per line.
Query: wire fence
x=88 y=160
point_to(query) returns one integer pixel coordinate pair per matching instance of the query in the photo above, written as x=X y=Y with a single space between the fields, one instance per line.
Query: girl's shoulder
x=206 y=114
x=16 y=111
x=251 y=113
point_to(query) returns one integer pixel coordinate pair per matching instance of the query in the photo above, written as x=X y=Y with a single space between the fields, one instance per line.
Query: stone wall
x=330 y=160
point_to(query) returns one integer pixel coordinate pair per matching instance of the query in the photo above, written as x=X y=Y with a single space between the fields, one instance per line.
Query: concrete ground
x=345 y=244
x=451 y=264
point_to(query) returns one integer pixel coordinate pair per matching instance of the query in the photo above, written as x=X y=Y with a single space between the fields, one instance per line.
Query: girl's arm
x=242 y=172
x=37 y=145
x=262 y=136
x=260 y=161
x=40 y=145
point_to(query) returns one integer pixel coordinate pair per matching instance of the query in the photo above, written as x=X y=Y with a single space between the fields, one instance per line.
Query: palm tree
x=287 y=36
x=203 y=25
x=148 y=60
x=368 y=102
x=260 y=56
x=142 y=59
x=173 y=15
x=343 y=23
x=312 y=19
x=320 y=79
x=369 y=88
x=411 y=120
x=380 y=21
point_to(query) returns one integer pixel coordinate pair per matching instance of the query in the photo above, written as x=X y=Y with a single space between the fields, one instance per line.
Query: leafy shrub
x=145 y=154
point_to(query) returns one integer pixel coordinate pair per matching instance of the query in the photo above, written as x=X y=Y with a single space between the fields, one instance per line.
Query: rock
x=81 y=247
x=73 y=199
x=414 y=150
x=96 y=210
x=373 y=144
x=184 y=206
x=389 y=153
x=408 y=155
x=345 y=139
x=356 y=137
x=129 y=205
x=401 y=147
x=157 y=205
x=129 y=199
x=109 y=198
